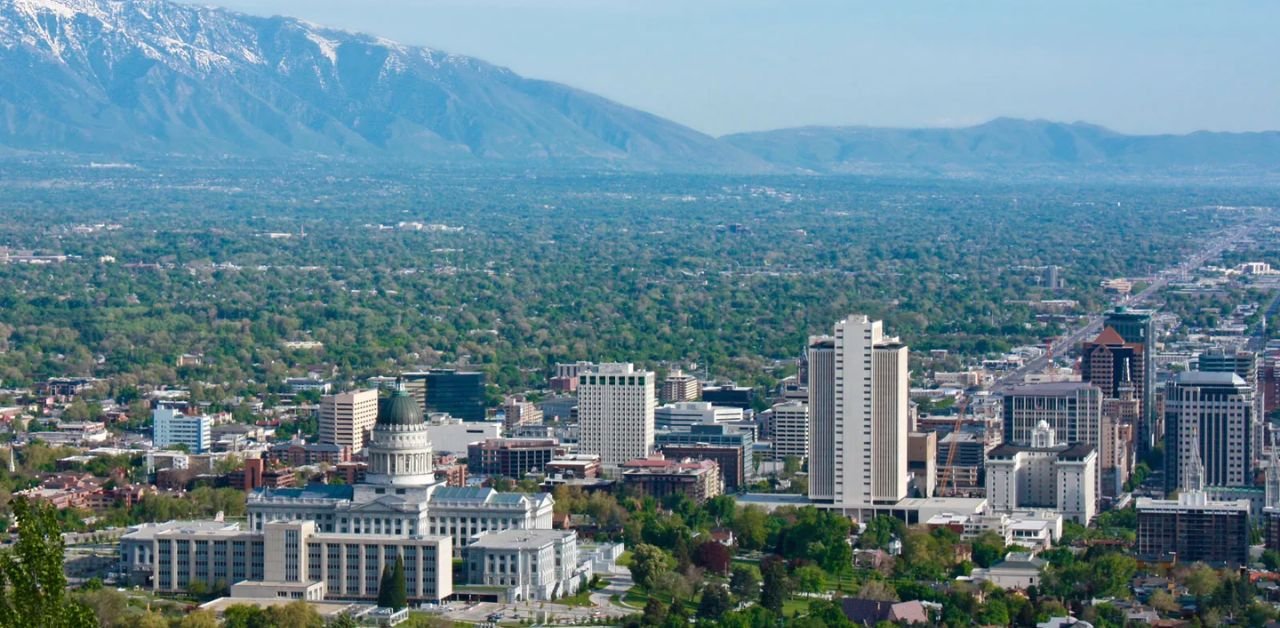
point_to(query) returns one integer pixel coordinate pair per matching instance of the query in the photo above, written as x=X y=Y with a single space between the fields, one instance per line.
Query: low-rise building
x=1018 y=570
x=658 y=477
x=529 y=565
x=511 y=457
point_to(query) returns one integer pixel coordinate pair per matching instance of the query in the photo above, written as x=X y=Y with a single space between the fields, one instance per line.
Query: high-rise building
x=458 y=393
x=822 y=418
x=1208 y=415
x=1072 y=409
x=615 y=413
x=680 y=386
x=346 y=418
x=519 y=411
x=1137 y=327
x=566 y=378
x=1048 y=474
x=869 y=397
x=1110 y=363
x=170 y=427
x=791 y=430
x=1244 y=364
x=1193 y=529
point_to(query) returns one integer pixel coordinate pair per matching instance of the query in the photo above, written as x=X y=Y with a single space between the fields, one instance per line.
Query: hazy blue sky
x=733 y=65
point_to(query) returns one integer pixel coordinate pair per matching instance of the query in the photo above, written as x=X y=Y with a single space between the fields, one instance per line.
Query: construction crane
x=948 y=472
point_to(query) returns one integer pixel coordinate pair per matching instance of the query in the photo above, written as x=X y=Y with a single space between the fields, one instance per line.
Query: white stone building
x=616 y=406
x=528 y=565
x=1045 y=475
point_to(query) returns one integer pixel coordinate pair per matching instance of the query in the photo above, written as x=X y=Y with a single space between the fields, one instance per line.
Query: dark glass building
x=1136 y=327
x=459 y=393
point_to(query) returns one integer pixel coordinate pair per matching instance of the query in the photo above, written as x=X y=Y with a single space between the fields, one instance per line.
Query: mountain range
x=151 y=78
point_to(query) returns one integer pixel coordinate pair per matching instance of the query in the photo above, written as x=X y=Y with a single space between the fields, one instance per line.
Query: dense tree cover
x=726 y=272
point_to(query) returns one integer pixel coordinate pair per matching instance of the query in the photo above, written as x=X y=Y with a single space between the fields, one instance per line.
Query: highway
x=1093 y=324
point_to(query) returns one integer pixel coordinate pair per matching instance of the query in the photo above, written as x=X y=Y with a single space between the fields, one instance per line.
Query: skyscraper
x=1209 y=415
x=867 y=437
x=615 y=413
x=1072 y=409
x=346 y=418
x=1244 y=364
x=1136 y=326
x=822 y=418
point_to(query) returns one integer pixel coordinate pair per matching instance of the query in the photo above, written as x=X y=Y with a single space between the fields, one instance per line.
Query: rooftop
x=520 y=539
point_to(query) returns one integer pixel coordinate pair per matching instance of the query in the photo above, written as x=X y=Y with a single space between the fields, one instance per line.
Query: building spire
x=1273 y=476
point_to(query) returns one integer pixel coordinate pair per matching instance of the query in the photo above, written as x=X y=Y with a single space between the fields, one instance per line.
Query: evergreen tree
x=384 y=588
x=33 y=589
x=399 y=594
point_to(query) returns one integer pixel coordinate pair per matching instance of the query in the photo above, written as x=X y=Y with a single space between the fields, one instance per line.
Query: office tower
x=1137 y=327
x=680 y=386
x=1193 y=529
x=729 y=395
x=458 y=393
x=922 y=462
x=1115 y=442
x=890 y=423
x=615 y=413
x=519 y=411
x=1208 y=415
x=791 y=430
x=1052 y=277
x=868 y=436
x=1244 y=364
x=1110 y=363
x=346 y=418
x=1072 y=409
x=170 y=427
x=822 y=418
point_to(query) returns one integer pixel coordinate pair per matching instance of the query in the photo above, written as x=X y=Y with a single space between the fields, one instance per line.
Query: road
x=1093 y=324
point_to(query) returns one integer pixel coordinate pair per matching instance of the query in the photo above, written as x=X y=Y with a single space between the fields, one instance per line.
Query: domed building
x=400 y=494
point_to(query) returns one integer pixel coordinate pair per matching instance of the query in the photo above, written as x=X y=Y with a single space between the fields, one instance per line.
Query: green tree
x=655 y=612
x=750 y=528
x=245 y=616
x=297 y=614
x=776 y=585
x=647 y=561
x=199 y=619
x=391 y=588
x=745 y=582
x=810 y=579
x=715 y=601
x=988 y=548
x=33 y=589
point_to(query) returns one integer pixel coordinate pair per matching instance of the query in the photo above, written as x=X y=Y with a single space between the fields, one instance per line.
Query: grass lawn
x=581 y=598
x=624 y=559
x=793 y=605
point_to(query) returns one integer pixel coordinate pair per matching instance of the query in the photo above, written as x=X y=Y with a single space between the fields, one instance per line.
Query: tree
x=712 y=556
x=108 y=605
x=745 y=582
x=811 y=579
x=715 y=601
x=245 y=616
x=655 y=613
x=1201 y=580
x=199 y=619
x=988 y=549
x=776 y=586
x=1163 y=602
x=878 y=590
x=750 y=528
x=297 y=614
x=151 y=619
x=1271 y=560
x=33 y=589
x=399 y=593
x=647 y=561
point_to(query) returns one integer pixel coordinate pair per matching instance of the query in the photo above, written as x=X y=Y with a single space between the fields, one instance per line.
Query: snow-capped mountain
x=155 y=77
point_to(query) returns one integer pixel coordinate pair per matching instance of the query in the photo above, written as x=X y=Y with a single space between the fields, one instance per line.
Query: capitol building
x=333 y=541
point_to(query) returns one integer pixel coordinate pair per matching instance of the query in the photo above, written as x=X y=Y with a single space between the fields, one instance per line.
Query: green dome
x=399 y=409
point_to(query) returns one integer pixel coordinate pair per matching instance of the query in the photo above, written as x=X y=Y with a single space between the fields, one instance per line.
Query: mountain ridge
x=147 y=78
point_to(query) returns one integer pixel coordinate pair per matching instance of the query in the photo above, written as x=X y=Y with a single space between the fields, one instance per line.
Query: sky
x=724 y=66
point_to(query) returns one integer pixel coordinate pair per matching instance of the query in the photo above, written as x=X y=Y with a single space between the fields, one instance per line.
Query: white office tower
x=791 y=430
x=615 y=413
x=867 y=439
x=822 y=418
x=346 y=418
